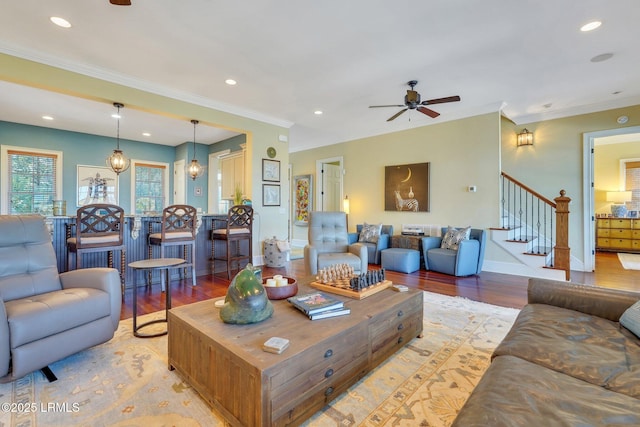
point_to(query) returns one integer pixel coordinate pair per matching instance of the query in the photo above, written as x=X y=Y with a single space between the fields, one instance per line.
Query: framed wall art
x=303 y=193
x=406 y=187
x=270 y=195
x=96 y=185
x=271 y=170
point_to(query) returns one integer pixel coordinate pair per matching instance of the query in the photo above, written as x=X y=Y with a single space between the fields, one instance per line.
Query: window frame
x=4 y=176
x=166 y=176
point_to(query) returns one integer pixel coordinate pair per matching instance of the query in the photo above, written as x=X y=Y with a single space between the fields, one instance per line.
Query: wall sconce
x=619 y=198
x=525 y=138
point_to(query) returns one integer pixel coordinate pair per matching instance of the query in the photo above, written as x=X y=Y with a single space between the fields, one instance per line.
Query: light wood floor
x=493 y=288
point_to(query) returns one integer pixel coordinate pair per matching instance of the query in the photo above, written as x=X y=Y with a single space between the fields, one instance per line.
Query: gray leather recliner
x=46 y=316
x=329 y=244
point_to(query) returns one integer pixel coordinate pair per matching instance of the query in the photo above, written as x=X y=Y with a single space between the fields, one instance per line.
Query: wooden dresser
x=618 y=234
x=250 y=387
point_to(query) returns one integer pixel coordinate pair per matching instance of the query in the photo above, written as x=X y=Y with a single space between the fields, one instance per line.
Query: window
x=31 y=181
x=150 y=187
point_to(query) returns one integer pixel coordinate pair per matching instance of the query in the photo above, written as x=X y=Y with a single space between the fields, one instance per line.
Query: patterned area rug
x=629 y=261
x=125 y=382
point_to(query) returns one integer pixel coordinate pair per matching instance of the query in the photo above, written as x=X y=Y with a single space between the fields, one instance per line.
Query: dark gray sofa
x=46 y=316
x=565 y=362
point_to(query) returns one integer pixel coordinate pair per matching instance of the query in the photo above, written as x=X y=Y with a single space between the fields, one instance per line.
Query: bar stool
x=99 y=228
x=178 y=229
x=238 y=228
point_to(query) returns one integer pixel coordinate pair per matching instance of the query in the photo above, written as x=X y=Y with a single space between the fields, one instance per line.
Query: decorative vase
x=246 y=301
x=411 y=193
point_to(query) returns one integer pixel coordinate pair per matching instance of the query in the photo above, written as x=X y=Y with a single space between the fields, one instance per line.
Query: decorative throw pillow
x=630 y=319
x=454 y=236
x=370 y=233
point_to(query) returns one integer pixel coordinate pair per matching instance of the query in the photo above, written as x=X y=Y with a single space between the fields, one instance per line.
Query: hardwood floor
x=493 y=288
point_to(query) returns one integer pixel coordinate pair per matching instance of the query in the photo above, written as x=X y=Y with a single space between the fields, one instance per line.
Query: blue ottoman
x=402 y=260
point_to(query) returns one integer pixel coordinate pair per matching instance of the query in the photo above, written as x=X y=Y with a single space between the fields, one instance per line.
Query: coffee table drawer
x=307 y=368
x=392 y=329
x=287 y=410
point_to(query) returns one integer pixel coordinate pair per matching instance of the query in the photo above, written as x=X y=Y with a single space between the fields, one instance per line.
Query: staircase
x=534 y=230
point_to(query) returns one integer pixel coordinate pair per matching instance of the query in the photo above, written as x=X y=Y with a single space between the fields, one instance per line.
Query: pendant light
x=117 y=162
x=195 y=169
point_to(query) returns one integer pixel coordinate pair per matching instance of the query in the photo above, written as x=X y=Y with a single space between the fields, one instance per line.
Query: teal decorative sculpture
x=246 y=300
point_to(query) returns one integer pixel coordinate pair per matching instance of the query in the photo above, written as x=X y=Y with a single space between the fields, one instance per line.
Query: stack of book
x=319 y=305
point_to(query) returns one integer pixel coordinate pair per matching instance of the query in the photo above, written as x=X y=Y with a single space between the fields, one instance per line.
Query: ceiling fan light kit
x=412 y=101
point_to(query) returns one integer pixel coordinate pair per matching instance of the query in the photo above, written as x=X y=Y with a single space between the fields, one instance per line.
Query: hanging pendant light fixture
x=117 y=162
x=195 y=169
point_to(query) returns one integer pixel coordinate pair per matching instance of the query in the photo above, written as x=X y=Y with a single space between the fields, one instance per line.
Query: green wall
x=465 y=152
x=461 y=153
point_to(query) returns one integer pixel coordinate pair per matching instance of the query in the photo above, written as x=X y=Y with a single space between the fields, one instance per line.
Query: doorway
x=589 y=141
x=329 y=187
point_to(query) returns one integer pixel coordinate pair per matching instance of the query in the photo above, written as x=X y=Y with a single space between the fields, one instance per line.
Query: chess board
x=342 y=287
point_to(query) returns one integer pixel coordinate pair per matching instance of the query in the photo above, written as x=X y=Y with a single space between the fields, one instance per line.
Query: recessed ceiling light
x=318 y=112
x=602 y=57
x=230 y=82
x=60 y=22
x=146 y=134
x=590 y=26
x=47 y=117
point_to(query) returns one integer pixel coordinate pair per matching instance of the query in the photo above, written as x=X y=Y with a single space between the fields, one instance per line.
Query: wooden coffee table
x=226 y=364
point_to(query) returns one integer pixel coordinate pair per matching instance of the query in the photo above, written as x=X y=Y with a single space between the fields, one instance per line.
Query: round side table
x=153 y=264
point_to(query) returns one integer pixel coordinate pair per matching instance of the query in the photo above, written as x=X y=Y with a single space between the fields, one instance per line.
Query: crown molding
x=575 y=111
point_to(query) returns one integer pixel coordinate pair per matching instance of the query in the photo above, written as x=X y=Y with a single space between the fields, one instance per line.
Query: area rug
x=125 y=382
x=629 y=261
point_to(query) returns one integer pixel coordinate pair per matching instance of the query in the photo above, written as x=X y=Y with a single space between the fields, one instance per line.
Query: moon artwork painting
x=406 y=188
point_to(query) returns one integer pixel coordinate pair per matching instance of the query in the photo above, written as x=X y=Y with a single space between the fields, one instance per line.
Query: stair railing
x=531 y=215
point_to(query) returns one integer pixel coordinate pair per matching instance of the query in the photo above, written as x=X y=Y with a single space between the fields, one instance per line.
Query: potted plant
x=237 y=195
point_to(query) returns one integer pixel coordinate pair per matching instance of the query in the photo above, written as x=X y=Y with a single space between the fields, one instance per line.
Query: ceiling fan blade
x=121 y=2
x=380 y=106
x=396 y=114
x=428 y=112
x=441 y=100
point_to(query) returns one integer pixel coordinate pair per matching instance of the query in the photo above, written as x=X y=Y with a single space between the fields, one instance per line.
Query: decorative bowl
x=281 y=292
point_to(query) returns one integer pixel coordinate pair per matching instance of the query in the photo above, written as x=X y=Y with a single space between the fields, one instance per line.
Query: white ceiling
x=292 y=57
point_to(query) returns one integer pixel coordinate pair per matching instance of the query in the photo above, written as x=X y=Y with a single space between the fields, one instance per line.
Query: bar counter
x=135 y=239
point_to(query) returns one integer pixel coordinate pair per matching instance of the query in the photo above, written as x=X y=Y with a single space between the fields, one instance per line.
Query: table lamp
x=619 y=198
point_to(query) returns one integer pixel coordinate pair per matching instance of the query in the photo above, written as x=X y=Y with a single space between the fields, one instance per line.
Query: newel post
x=561 y=249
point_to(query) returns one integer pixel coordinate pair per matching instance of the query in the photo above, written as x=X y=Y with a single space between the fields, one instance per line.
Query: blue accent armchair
x=374 y=249
x=466 y=261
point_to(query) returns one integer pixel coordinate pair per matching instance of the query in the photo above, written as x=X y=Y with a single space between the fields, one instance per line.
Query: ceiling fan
x=412 y=102
x=121 y=2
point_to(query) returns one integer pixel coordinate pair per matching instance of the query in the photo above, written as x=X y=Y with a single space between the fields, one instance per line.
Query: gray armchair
x=46 y=316
x=329 y=244
x=374 y=250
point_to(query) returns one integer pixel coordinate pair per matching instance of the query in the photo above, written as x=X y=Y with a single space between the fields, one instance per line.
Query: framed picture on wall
x=270 y=195
x=96 y=185
x=271 y=170
x=303 y=197
x=406 y=187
